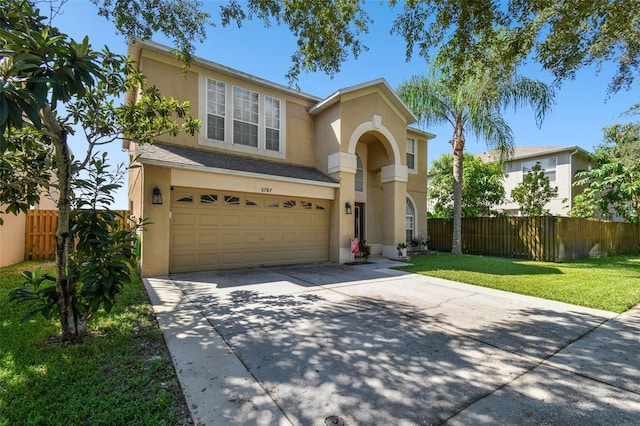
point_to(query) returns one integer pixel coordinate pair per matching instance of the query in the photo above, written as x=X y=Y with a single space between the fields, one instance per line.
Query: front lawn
x=610 y=283
x=121 y=374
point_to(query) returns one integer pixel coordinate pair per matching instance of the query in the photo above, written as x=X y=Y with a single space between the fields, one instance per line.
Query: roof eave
x=217 y=170
x=165 y=50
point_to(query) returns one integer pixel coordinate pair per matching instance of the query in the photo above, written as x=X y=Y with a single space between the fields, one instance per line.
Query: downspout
x=571 y=178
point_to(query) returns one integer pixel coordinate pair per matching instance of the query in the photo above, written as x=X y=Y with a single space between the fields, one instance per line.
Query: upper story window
x=241 y=119
x=272 y=123
x=547 y=164
x=359 y=174
x=411 y=154
x=245 y=117
x=216 y=101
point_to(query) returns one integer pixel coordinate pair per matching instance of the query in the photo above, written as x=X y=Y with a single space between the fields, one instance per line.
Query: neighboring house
x=275 y=176
x=560 y=164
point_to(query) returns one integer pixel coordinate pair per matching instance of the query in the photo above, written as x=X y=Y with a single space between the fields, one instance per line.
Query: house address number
x=264 y=189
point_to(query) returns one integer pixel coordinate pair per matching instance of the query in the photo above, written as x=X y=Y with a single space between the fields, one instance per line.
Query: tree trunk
x=458 y=158
x=72 y=322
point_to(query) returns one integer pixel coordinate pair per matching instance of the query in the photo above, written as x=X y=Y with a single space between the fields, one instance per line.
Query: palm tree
x=475 y=104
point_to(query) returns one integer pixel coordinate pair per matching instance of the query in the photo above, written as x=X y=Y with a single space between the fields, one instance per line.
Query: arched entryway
x=379 y=187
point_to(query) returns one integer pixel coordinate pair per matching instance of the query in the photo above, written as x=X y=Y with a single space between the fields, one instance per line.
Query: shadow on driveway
x=370 y=345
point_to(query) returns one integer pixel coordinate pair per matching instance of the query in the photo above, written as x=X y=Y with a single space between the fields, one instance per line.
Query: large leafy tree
x=482 y=188
x=612 y=185
x=534 y=192
x=48 y=83
x=474 y=105
x=563 y=36
x=326 y=32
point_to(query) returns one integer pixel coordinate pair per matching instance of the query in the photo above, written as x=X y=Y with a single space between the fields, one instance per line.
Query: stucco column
x=342 y=166
x=154 y=259
x=394 y=192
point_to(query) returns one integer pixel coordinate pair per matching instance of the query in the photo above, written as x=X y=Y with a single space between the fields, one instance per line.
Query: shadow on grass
x=121 y=373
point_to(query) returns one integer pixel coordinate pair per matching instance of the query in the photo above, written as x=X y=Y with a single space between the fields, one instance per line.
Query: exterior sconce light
x=157 y=196
x=347 y=207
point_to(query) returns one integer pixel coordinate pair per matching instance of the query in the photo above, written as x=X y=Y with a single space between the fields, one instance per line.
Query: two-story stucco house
x=560 y=164
x=275 y=176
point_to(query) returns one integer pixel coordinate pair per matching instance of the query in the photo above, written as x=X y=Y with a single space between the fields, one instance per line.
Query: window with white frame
x=548 y=165
x=411 y=221
x=411 y=153
x=359 y=174
x=272 y=123
x=245 y=117
x=216 y=102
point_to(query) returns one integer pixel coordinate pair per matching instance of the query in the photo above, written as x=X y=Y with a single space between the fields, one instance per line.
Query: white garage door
x=222 y=229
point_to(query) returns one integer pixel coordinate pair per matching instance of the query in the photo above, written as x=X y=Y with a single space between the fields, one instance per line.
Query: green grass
x=121 y=374
x=608 y=283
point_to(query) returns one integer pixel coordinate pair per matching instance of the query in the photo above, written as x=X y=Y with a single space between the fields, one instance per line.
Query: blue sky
x=580 y=113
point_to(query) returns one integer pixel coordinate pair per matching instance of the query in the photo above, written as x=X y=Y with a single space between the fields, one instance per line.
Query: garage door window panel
x=208 y=199
x=232 y=200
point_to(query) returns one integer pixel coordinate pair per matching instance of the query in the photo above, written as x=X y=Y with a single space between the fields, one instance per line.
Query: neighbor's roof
x=522 y=152
x=165 y=155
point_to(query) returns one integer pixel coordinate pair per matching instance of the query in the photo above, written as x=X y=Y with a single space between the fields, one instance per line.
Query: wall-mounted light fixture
x=347 y=207
x=157 y=196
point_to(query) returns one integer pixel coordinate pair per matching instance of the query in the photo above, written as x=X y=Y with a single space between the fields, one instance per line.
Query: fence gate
x=40 y=235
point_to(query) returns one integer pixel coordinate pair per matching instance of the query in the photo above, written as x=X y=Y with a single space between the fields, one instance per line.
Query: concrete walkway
x=367 y=345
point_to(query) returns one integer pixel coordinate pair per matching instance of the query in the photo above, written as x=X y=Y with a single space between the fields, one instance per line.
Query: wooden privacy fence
x=40 y=233
x=548 y=238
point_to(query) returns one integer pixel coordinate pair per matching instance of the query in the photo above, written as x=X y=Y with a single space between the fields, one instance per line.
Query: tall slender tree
x=474 y=105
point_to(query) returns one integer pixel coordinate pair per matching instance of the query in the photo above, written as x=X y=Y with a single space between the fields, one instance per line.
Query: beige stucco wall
x=417 y=183
x=296 y=125
x=168 y=77
x=360 y=107
x=12 y=238
x=327 y=131
x=155 y=238
x=257 y=185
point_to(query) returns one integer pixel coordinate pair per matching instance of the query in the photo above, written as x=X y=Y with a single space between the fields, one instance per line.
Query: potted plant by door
x=402 y=249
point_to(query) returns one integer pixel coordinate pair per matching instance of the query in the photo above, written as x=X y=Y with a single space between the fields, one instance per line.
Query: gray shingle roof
x=528 y=151
x=179 y=156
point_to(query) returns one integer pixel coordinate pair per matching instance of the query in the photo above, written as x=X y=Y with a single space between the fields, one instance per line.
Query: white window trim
x=416 y=214
x=259 y=125
x=358 y=157
x=413 y=170
x=279 y=129
x=206 y=114
x=228 y=144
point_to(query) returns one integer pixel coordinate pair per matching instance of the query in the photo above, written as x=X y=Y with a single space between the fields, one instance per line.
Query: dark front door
x=359 y=221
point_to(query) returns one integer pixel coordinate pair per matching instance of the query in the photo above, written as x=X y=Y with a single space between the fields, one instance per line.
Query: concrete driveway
x=368 y=345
